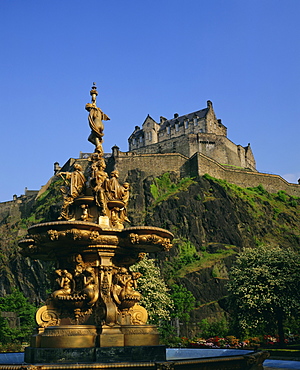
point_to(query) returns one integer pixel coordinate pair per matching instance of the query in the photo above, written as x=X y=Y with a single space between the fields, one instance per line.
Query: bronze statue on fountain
x=94 y=302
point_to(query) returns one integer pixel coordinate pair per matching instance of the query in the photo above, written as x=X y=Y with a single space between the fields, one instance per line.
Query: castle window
x=186 y=124
x=176 y=127
x=195 y=121
x=168 y=130
x=133 y=141
x=150 y=136
x=141 y=139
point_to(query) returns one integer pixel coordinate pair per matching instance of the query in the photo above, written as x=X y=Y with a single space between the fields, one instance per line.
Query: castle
x=190 y=145
x=193 y=145
x=197 y=132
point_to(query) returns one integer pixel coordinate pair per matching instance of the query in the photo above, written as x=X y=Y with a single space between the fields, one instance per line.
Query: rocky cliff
x=211 y=219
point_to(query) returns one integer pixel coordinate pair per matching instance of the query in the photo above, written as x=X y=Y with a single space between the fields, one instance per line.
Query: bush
x=212 y=329
x=16 y=302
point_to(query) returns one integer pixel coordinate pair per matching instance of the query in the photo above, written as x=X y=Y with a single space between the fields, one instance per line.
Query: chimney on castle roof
x=162 y=119
x=176 y=115
x=209 y=104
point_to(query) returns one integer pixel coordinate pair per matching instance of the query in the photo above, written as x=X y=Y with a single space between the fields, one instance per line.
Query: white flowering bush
x=264 y=288
x=155 y=295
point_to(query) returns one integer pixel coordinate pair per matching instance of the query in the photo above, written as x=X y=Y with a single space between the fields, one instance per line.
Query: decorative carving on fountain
x=74 y=184
x=97 y=181
x=47 y=316
x=123 y=290
x=150 y=239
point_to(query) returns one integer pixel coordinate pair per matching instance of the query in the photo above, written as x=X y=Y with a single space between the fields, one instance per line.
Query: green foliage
x=264 y=288
x=46 y=200
x=260 y=190
x=189 y=260
x=187 y=253
x=219 y=271
x=282 y=195
x=279 y=210
x=155 y=294
x=164 y=187
x=208 y=329
x=16 y=302
x=167 y=334
x=187 y=256
x=184 y=302
x=42 y=206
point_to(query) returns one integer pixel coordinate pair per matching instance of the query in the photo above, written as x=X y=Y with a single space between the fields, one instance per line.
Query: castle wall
x=214 y=146
x=201 y=164
x=218 y=147
x=176 y=145
x=150 y=164
x=198 y=165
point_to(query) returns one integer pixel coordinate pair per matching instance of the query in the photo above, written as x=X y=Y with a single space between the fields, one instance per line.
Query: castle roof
x=137 y=132
x=171 y=122
x=147 y=118
x=180 y=119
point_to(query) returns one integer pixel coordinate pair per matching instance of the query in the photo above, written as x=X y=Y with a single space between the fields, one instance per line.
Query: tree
x=16 y=302
x=155 y=296
x=184 y=302
x=264 y=288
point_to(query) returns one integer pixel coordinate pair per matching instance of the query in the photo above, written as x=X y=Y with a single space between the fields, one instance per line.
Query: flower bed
x=229 y=341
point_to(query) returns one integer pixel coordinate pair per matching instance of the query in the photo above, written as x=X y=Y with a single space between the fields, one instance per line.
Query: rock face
x=211 y=220
x=16 y=271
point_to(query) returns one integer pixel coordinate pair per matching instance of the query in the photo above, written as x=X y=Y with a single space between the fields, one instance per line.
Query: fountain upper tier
x=63 y=237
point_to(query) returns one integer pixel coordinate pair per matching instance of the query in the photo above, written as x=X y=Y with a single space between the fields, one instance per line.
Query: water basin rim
x=95 y=227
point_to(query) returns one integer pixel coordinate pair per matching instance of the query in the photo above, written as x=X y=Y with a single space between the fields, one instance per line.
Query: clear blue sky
x=157 y=57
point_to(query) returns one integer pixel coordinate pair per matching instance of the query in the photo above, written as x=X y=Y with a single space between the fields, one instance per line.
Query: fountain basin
x=183 y=359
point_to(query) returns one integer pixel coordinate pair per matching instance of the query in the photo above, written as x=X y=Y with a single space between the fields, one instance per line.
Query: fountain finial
x=94 y=93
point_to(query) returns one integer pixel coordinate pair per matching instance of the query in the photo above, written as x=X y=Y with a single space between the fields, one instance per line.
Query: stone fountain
x=92 y=319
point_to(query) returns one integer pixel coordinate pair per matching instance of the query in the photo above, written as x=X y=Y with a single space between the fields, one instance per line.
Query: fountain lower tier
x=94 y=302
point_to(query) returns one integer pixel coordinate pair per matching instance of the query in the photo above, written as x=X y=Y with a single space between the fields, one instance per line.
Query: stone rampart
x=198 y=165
x=201 y=165
x=150 y=164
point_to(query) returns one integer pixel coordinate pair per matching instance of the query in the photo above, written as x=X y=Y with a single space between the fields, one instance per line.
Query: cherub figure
x=65 y=282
